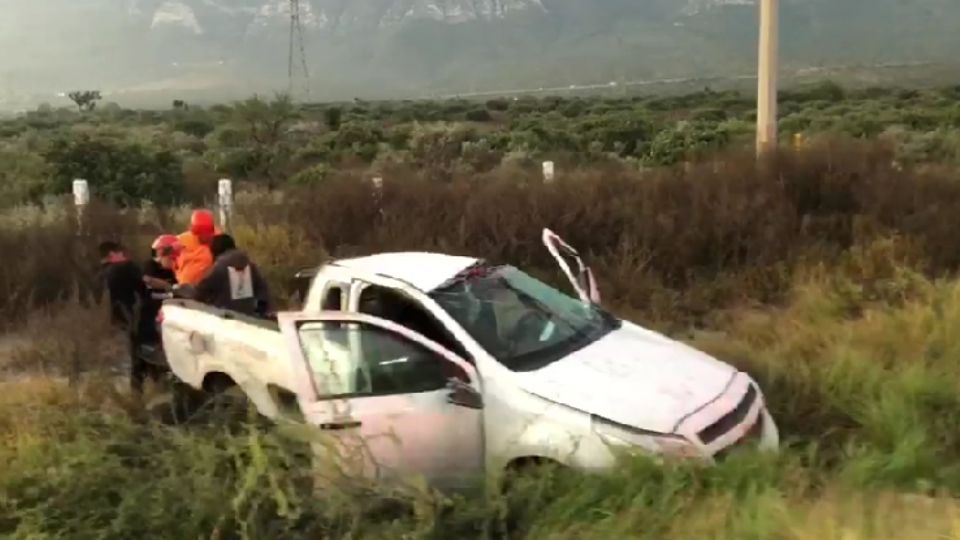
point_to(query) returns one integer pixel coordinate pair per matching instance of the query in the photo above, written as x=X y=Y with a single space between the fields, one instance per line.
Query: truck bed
x=201 y=341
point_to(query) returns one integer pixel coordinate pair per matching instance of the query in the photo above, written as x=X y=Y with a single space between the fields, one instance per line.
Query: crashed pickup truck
x=452 y=368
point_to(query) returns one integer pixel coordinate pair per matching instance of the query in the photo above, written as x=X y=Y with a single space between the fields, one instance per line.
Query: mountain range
x=379 y=48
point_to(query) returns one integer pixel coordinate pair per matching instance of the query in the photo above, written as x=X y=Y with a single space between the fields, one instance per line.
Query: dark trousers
x=140 y=367
x=137 y=366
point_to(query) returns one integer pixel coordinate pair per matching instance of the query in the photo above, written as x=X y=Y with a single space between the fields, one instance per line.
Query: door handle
x=339 y=426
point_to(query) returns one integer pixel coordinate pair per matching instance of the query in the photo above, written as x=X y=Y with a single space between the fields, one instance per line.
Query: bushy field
x=176 y=155
x=671 y=245
x=828 y=274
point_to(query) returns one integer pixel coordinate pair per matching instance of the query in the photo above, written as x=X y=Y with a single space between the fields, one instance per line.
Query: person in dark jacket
x=234 y=282
x=128 y=294
x=160 y=277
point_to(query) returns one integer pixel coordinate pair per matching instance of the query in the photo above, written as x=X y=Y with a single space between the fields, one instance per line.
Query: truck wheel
x=528 y=469
x=185 y=402
x=229 y=407
x=517 y=479
x=223 y=402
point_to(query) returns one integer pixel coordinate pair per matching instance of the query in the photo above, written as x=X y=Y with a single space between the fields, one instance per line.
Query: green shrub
x=118 y=172
x=23 y=176
x=310 y=176
x=333 y=118
x=499 y=105
x=198 y=127
x=479 y=115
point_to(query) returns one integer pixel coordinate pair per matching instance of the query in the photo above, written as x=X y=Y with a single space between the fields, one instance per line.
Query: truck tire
x=185 y=402
x=518 y=475
x=222 y=402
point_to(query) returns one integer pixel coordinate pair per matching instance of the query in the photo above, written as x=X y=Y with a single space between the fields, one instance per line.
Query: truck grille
x=751 y=438
x=731 y=419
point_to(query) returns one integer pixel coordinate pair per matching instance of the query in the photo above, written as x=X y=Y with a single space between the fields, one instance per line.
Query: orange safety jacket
x=194 y=261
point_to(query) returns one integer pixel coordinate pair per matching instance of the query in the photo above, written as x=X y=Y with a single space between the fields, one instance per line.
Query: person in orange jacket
x=195 y=258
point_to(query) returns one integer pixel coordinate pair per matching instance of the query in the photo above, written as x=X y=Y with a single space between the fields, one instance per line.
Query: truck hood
x=634 y=377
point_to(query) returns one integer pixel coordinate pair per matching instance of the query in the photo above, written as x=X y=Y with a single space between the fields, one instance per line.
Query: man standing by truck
x=128 y=296
x=195 y=258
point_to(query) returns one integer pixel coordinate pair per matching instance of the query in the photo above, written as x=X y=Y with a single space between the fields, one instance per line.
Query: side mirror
x=463 y=395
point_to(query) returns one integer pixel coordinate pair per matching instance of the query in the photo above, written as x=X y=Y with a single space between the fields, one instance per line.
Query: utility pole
x=297 y=58
x=767 y=74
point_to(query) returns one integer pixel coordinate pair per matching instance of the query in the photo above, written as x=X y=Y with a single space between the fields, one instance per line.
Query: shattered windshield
x=523 y=322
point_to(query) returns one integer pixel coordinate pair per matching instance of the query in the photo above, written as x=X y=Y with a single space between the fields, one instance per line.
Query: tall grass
x=875 y=395
x=75 y=467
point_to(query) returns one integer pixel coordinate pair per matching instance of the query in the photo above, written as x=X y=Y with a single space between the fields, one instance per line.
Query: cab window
x=394 y=306
x=333 y=298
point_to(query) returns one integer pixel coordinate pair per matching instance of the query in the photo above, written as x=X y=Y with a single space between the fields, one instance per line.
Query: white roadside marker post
x=377 y=182
x=549 y=171
x=225 y=200
x=81 y=198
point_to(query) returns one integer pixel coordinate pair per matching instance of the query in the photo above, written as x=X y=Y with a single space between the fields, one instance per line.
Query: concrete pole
x=225 y=202
x=549 y=171
x=81 y=198
x=769 y=66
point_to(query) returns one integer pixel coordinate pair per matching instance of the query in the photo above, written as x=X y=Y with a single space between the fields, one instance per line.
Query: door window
x=349 y=359
x=396 y=307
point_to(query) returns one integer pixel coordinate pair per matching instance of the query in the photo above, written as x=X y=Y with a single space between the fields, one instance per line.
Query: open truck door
x=583 y=280
x=393 y=403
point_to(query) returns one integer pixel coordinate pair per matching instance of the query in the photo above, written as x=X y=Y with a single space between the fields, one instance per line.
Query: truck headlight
x=666 y=444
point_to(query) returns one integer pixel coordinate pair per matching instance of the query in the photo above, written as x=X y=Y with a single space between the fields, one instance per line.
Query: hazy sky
x=51 y=46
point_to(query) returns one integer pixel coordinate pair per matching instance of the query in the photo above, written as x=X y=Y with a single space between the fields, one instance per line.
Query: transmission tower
x=298 y=55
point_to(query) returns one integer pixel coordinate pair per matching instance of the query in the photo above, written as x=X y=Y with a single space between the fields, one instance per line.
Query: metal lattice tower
x=298 y=56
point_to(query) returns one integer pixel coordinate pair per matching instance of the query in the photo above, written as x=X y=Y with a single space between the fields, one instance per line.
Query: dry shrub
x=671 y=244
x=68 y=340
x=279 y=251
x=52 y=252
x=50 y=262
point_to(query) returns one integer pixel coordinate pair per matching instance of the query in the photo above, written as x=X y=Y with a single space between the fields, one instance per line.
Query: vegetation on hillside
x=176 y=155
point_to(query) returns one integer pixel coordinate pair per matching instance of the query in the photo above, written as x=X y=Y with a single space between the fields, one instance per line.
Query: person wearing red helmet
x=195 y=258
x=159 y=272
x=160 y=279
x=164 y=251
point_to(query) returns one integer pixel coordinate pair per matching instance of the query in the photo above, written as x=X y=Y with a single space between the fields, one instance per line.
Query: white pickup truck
x=452 y=368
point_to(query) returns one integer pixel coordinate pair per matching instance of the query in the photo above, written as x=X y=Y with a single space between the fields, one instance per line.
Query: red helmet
x=166 y=244
x=202 y=223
